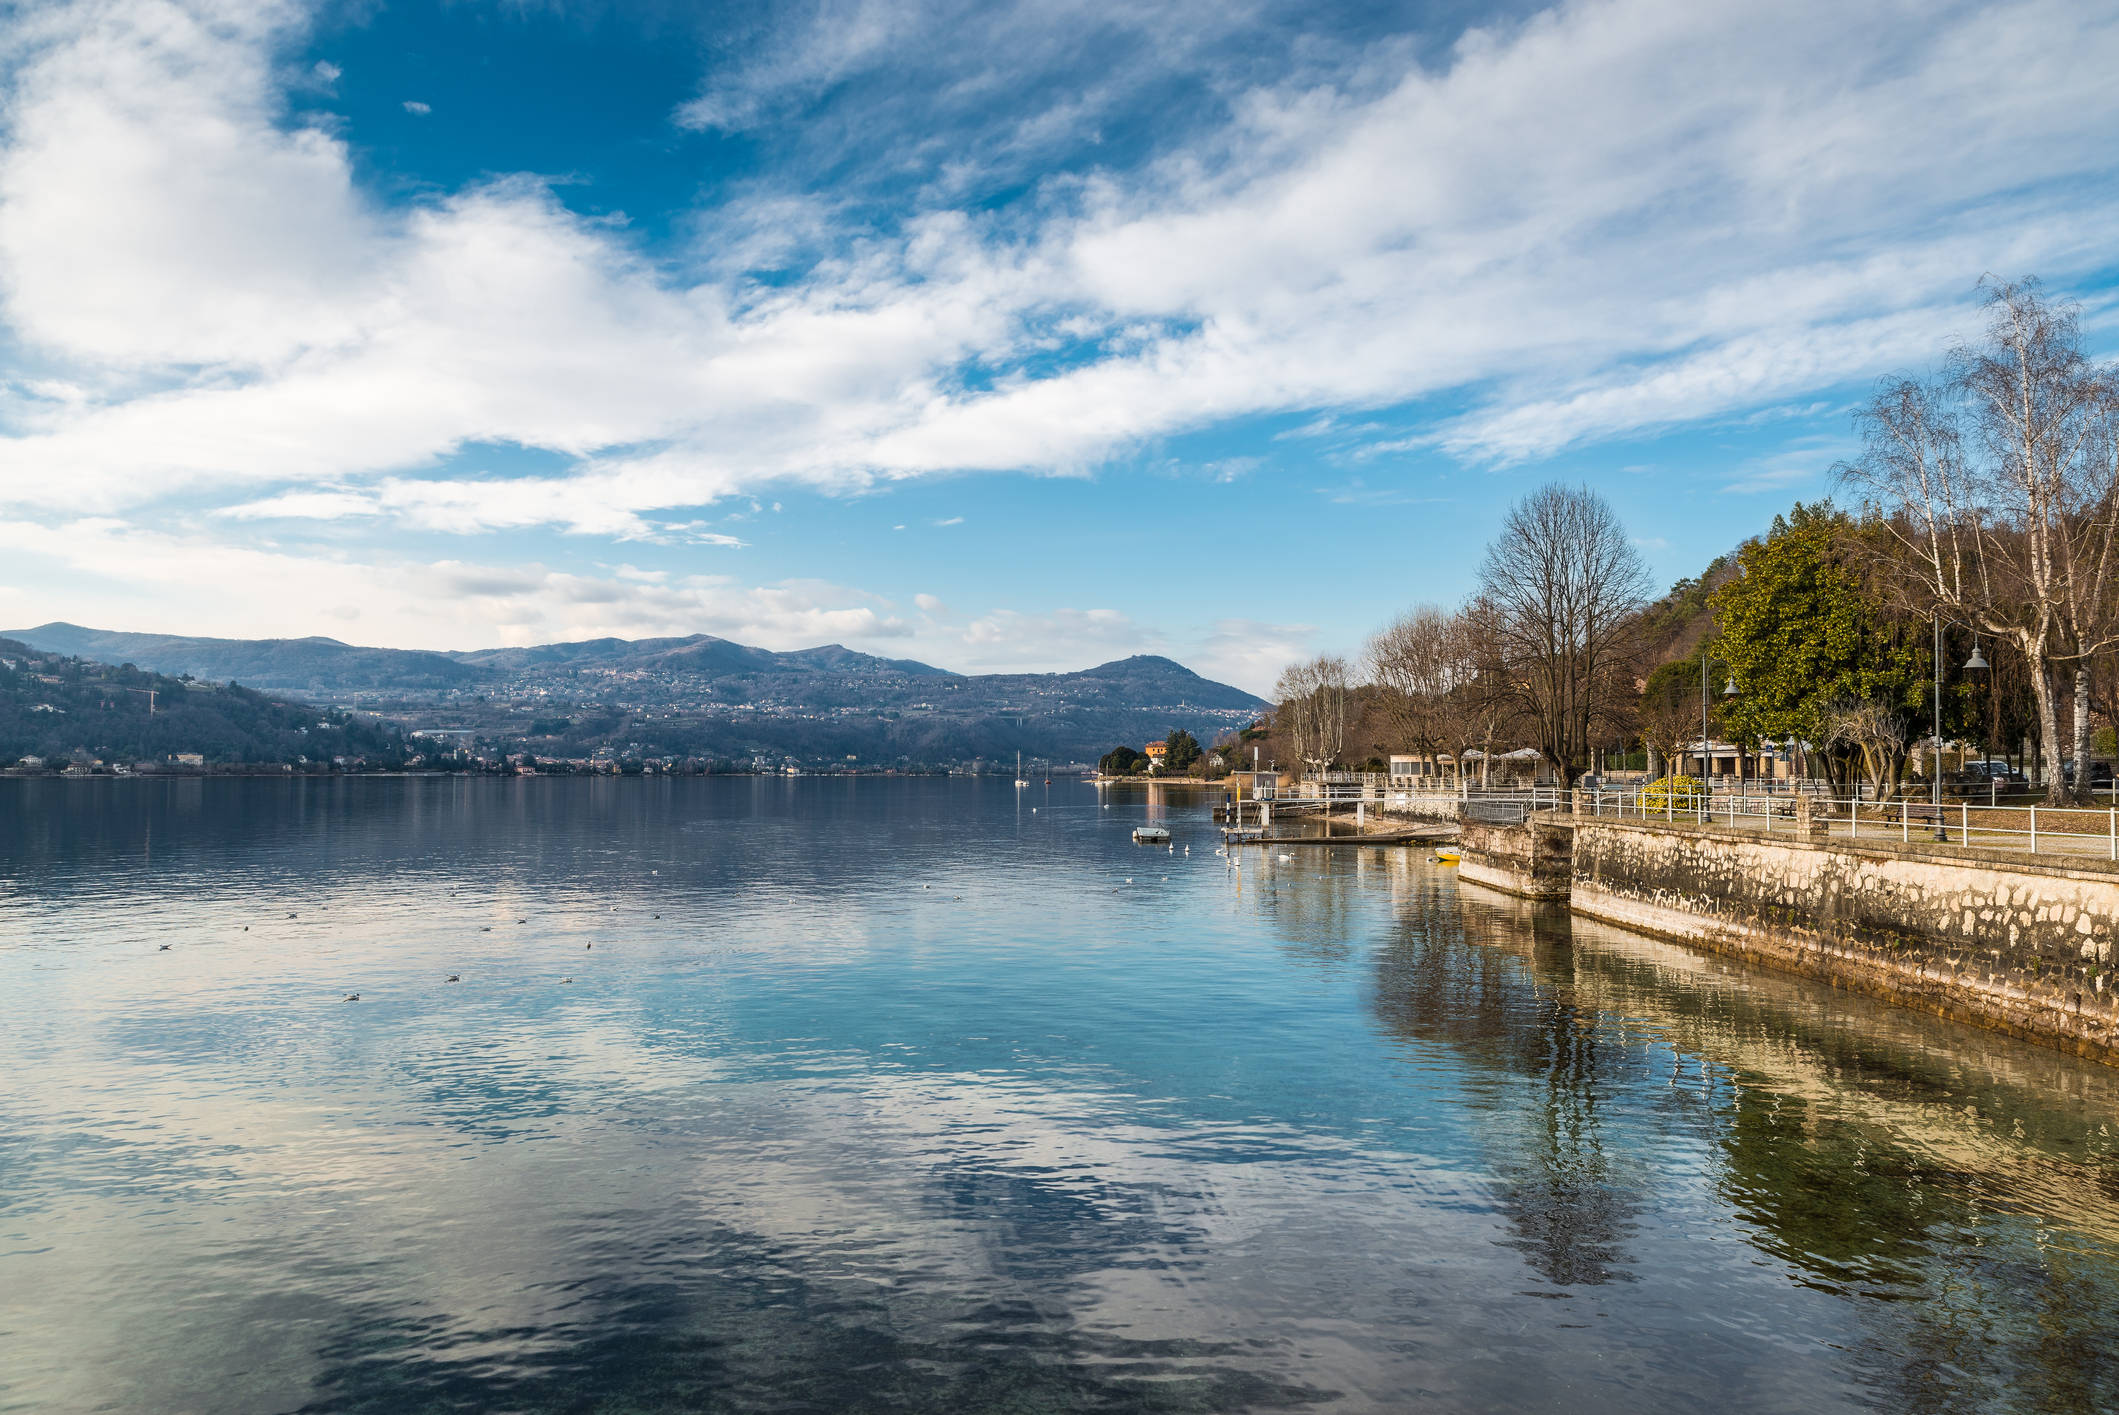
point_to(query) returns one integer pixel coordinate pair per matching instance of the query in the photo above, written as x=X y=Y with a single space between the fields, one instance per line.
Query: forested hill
x=298 y=666
x=60 y=708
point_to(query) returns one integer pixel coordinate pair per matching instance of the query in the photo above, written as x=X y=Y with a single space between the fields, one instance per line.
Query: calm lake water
x=864 y=1095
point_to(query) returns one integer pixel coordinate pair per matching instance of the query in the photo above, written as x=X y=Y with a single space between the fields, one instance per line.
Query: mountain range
x=701 y=696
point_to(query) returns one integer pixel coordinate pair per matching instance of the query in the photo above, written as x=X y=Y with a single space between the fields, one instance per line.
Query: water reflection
x=901 y=1094
x=1959 y=1186
x=1490 y=993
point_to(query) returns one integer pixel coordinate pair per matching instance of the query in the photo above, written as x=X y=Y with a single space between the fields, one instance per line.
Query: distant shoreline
x=266 y=773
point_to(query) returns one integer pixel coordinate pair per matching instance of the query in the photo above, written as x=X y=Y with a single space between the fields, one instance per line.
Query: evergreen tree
x=1800 y=635
x=1183 y=750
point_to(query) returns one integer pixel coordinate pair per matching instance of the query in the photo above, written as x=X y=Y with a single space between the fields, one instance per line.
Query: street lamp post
x=1976 y=661
x=1706 y=760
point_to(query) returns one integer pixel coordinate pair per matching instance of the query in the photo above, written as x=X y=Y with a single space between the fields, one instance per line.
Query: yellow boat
x=1446 y=855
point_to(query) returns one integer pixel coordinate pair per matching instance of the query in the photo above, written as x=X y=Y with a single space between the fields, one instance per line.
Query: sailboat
x=1020 y=780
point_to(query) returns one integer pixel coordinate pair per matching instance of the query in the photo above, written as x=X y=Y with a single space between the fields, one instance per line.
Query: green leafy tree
x=1121 y=761
x=1183 y=750
x=1801 y=636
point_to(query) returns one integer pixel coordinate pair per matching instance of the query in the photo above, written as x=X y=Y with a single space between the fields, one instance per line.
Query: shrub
x=1675 y=794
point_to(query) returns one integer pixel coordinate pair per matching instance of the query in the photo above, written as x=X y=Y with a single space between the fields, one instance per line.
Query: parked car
x=2100 y=774
x=1990 y=773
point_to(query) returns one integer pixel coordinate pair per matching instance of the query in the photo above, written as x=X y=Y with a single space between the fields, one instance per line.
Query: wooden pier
x=1411 y=835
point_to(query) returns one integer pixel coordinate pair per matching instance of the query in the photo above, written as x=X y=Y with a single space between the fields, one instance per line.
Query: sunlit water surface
x=933 y=1095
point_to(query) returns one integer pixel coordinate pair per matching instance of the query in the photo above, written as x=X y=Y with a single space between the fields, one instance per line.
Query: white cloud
x=1007 y=639
x=152 y=212
x=416 y=108
x=122 y=576
x=113 y=569
x=1250 y=652
x=1617 y=215
x=1807 y=463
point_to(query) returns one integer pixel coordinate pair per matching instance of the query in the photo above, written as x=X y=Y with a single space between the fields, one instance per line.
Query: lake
x=838 y=1094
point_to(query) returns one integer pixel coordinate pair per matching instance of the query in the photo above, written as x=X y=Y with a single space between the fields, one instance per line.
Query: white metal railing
x=1860 y=815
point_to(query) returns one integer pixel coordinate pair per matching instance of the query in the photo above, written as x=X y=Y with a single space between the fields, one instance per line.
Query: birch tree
x=1995 y=483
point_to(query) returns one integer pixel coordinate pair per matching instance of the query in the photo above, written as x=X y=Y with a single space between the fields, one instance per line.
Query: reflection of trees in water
x=1570 y=1206
x=1852 y=1153
x=1848 y=1158
x=1967 y=1304
x=1570 y=1203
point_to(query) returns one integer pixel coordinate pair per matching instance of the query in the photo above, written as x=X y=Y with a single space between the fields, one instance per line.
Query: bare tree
x=1995 y=486
x=1669 y=717
x=1420 y=662
x=1875 y=733
x=1312 y=714
x=1483 y=710
x=1560 y=595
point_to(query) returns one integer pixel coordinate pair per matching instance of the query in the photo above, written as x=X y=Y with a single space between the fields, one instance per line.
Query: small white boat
x=1020 y=780
x=1151 y=835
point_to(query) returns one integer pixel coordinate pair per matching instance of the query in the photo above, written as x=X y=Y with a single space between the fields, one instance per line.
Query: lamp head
x=1977 y=660
x=1729 y=688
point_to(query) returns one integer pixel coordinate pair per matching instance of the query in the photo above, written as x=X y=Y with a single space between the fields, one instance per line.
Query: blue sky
x=1002 y=336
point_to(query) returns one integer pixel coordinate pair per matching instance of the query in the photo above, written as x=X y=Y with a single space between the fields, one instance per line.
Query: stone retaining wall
x=2010 y=941
x=1419 y=804
x=1531 y=860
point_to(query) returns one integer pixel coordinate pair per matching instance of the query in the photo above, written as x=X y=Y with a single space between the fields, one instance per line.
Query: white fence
x=2085 y=830
x=2041 y=830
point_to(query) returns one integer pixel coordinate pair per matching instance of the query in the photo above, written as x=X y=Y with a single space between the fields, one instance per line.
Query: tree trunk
x=2044 y=693
x=2081 y=737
